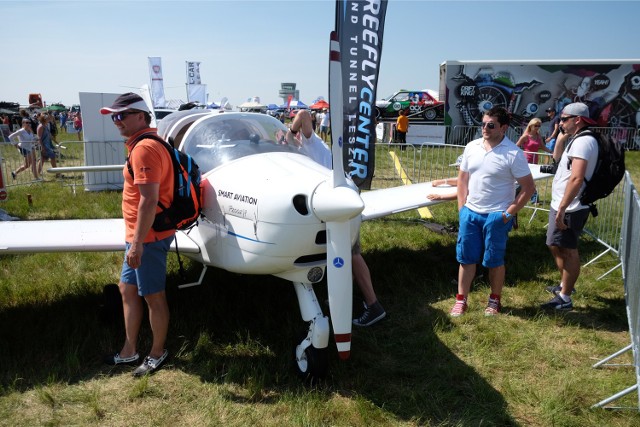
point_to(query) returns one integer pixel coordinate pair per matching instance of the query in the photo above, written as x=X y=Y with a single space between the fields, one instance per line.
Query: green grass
x=231 y=340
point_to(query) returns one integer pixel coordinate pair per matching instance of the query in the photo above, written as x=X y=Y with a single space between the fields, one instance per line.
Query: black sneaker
x=557 y=303
x=150 y=365
x=13 y=175
x=557 y=289
x=371 y=315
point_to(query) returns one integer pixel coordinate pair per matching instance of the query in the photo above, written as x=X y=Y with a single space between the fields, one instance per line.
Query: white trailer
x=527 y=88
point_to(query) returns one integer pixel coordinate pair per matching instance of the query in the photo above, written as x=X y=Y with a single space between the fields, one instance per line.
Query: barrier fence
x=630 y=261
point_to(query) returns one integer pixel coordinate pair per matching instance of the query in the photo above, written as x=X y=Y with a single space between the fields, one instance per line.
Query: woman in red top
x=531 y=141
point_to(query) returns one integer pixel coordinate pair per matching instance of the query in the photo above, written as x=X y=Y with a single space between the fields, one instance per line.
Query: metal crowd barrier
x=68 y=153
x=630 y=261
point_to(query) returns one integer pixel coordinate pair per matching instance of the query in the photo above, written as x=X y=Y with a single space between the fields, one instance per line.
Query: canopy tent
x=295 y=104
x=272 y=107
x=322 y=104
x=251 y=105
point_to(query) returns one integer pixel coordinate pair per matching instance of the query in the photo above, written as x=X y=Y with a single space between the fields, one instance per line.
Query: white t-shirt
x=316 y=149
x=325 y=119
x=493 y=174
x=25 y=139
x=583 y=147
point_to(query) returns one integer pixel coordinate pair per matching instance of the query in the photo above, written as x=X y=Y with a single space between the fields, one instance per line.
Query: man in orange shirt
x=402 y=127
x=147 y=182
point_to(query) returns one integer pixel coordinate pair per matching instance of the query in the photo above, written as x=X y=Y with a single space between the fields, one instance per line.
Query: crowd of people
x=39 y=131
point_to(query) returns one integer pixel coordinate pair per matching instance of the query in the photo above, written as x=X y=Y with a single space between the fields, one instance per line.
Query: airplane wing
x=388 y=201
x=379 y=203
x=86 y=235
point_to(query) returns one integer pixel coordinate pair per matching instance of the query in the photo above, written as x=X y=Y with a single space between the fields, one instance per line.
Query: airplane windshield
x=230 y=136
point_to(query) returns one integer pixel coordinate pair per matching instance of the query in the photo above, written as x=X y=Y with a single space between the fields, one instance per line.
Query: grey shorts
x=567 y=238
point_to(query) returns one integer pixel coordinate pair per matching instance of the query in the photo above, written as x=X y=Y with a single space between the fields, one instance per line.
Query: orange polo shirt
x=151 y=164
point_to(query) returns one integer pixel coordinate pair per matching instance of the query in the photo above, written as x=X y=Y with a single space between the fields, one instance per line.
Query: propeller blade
x=339 y=284
x=335 y=100
x=337 y=207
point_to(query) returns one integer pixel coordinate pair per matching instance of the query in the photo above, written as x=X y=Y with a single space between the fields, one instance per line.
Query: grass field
x=231 y=340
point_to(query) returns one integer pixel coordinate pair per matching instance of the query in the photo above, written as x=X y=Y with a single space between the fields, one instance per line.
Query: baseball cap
x=579 y=109
x=126 y=101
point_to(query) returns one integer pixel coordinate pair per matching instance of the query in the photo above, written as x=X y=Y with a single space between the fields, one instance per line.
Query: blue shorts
x=24 y=152
x=482 y=237
x=150 y=277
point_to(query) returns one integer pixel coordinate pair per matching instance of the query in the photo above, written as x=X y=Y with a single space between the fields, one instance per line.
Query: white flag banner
x=193 y=73
x=197 y=93
x=157 y=83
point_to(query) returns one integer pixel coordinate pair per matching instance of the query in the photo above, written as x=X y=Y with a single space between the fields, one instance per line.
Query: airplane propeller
x=336 y=205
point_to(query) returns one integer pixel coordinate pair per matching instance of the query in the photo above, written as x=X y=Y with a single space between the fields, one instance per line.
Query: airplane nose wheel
x=311 y=363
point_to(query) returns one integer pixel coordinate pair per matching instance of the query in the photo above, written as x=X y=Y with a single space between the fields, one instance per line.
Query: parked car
x=419 y=103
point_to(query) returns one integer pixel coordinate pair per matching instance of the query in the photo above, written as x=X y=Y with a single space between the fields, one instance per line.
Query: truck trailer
x=526 y=88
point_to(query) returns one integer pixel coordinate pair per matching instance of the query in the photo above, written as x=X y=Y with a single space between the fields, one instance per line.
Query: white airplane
x=268 y=209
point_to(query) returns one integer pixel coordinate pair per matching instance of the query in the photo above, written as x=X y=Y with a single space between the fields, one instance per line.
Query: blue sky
x=247 y=48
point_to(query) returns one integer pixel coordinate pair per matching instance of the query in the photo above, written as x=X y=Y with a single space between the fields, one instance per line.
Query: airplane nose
x=336 y=204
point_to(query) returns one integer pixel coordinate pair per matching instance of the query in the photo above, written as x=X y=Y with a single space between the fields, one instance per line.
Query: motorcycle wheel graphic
x=488 y=97
x=622 y=115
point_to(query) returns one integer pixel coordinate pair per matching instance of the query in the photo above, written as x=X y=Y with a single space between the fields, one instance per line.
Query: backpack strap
x=584 y=132
x=148 y=135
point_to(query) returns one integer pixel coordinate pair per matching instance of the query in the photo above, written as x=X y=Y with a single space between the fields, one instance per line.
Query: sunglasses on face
x=536 y=126
x=488 y=125
x=565 y=118
x=118 y=117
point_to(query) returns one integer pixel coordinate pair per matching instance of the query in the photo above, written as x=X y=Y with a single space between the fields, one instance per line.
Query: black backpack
x=609 y=169
x=186 y=205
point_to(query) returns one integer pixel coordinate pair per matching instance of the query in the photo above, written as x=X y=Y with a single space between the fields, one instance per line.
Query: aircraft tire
x=313 y=366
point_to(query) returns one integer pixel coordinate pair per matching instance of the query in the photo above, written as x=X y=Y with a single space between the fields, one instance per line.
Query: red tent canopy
x=319 y=105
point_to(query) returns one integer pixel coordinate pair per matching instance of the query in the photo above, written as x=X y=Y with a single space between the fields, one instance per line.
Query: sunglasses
x=536 y=126
x=118 y=117
x=488 y=125
x=565 y=118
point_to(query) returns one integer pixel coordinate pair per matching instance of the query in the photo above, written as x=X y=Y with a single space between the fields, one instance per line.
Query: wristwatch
x=507 y=215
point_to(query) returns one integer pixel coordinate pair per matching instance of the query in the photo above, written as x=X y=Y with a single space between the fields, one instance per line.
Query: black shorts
x=567 y=238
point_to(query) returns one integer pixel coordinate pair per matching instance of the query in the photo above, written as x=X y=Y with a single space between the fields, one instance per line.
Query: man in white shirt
x=567 y=215
x=489 y=170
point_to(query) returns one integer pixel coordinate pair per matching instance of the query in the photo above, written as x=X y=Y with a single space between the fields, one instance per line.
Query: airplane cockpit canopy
x=222 y=138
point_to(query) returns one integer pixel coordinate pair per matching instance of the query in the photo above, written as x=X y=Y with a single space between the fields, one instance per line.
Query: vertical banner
x=193 y=73
x=195 y=89
x=197 y=93
x=157 y=83
x=360 y=26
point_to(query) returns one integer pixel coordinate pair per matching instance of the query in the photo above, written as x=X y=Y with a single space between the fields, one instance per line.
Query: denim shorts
x=482 y=237
x=150 y=277
x=24 y=152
